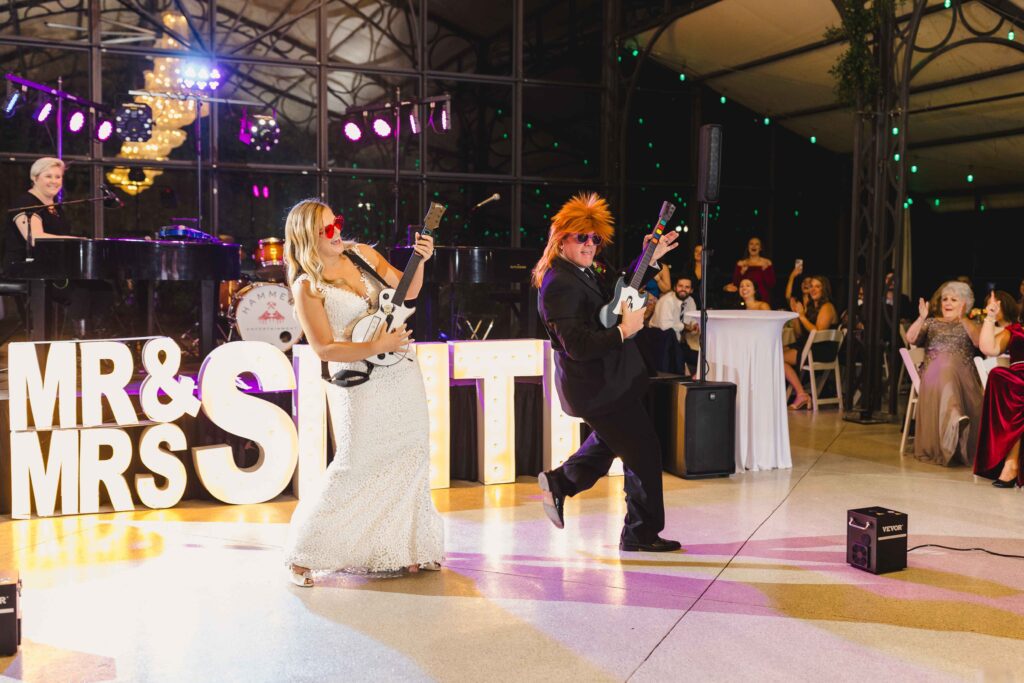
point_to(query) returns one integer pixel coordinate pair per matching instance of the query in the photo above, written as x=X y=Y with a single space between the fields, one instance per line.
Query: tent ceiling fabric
x=719 y=39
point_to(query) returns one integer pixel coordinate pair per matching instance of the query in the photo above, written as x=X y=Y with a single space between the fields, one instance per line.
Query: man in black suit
x=599 y=374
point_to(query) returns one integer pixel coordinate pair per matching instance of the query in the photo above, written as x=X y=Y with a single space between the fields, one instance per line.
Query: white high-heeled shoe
x=303 y=579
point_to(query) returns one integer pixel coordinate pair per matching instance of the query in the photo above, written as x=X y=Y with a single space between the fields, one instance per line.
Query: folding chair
x=912 y=358
x=823 y=365
x=986 y=364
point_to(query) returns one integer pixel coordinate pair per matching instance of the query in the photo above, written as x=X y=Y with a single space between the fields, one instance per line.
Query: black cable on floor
x=964 y=550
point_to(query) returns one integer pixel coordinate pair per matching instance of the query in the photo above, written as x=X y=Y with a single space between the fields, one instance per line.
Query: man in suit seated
x=599 y=374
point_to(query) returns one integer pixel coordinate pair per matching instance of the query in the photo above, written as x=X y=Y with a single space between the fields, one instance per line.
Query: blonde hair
x=584 y=213
x=301 y=234
x=43 y=163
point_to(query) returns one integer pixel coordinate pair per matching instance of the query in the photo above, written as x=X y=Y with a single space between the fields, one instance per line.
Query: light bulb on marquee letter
x=561 y=431
x=434 y=361
x=495 y=365
x=249 y=417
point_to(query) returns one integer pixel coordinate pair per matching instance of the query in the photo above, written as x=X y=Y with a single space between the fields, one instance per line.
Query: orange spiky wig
x=586 y=212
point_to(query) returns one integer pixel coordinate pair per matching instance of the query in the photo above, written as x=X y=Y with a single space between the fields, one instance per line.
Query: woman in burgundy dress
x=755 y=268
x=1002 y=413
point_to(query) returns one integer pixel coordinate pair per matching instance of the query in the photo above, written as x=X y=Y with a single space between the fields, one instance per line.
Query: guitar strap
x=353 y=378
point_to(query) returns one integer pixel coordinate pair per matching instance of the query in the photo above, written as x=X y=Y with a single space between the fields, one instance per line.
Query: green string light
x=682 y=77
x=814 y=140
x=767 y=121
x=937 y=201
x=970 y=177
x=555 y=145
x=636 y=53
x=913 y=168
x=755 y=212
x=640 y=120
x=896 y=156
x=650 y=145
x=910 y=201
x=981 y=207
x=722 y=99
x=586 y=162
x=948 y=4
x=1011 y=35
x=796 y=213
x=895 y=130
x=657 y=164
x=529 y=126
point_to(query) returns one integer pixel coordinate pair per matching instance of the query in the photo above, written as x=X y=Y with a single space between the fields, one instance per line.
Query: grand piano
x=495 y=279
x=143 y=261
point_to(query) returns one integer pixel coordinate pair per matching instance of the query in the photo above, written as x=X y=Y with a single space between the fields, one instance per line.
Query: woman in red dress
x=1002 y=415
x=755 y=268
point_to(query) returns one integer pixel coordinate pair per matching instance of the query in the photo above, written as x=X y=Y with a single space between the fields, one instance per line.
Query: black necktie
x=590 y=274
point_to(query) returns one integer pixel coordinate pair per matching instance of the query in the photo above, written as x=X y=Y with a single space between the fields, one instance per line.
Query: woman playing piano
x=47 y=176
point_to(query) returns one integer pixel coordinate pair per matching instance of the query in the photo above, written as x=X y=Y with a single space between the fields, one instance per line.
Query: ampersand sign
x=161 y=357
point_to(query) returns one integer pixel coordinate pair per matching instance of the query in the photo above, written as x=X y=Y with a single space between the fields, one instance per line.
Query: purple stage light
x=104 y=130
x=353 y=132
x=197 y=75
x=256 y=191
x=76 y=122
x=381 y=127
x=446 y=115
x=43 y=111
x=414 y=119
x=266 y=192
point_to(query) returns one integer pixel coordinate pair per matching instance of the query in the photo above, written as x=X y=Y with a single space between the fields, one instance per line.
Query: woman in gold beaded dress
x=949 y=402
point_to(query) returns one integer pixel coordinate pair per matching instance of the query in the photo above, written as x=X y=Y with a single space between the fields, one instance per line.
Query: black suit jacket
x=595 y=371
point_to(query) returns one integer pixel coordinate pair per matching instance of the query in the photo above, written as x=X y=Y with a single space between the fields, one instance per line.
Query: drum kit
x=261 y=307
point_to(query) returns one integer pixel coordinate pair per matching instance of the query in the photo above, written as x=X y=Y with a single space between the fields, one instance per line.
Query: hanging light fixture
x=266 y=133
x=44 y=107
x=134 y=122
x=14 y=99
x=76 y=122
x=414 y=119
x=382 y=127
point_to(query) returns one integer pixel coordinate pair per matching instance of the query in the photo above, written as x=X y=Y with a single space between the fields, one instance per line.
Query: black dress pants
x=628 y=433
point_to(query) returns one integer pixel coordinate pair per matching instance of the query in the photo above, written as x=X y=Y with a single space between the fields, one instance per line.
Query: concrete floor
x=761 y=592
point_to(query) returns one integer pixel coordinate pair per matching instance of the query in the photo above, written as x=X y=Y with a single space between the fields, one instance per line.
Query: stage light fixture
x=446 y=114
x=265 y=132
x=382 y=127
x=244 y=136
x=134 y=122
x=43 y=110
x=76 y=122
x=414 y=119
x=256 y=191
x=104 y=129
x=14 y=99
x=199 y=75
x=352 y=131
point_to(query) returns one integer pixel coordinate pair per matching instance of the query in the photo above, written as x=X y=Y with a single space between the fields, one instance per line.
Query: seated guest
x=891 y=297
x=1008 y=310
x=818 y=314
x=748 y=297
x=949 y=399
x=757 y=268
x=668 y=315
x=805 y=282
x=1002 y=412
x=1020 y=301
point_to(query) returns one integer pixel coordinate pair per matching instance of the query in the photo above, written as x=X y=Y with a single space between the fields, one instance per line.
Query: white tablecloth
x=745 y=348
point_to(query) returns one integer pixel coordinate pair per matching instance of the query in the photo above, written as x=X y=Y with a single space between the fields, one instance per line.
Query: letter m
x=32 y=389
x=31 y=476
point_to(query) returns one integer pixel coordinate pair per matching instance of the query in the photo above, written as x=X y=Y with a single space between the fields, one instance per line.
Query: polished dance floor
x=761 y=592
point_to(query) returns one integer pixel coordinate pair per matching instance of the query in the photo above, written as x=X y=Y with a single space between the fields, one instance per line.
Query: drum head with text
x=265 y=311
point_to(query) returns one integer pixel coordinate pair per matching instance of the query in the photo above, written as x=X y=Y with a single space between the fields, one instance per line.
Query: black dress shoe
x=1000 y=484
x=658 y=545
x=553 y=501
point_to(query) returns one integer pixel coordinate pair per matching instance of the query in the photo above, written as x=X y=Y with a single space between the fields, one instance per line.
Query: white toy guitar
x=630 y=294
x=392 y=311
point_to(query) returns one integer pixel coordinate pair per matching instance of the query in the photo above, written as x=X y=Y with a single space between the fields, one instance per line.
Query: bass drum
x=265 y=311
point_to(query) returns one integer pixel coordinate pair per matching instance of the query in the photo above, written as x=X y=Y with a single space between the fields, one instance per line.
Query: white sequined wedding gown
x=373 y=511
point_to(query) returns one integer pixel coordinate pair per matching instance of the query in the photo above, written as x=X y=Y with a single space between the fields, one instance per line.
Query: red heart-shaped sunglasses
x=338 y=224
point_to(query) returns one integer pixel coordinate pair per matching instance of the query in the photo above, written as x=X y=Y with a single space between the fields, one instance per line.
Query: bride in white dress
x=373 y=511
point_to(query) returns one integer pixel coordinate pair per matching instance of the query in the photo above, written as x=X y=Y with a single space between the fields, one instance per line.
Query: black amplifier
x=10 y=612
x=876 y=539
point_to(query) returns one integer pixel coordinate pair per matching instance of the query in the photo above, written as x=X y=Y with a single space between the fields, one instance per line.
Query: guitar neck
x=403 y=285
x=645 y=259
